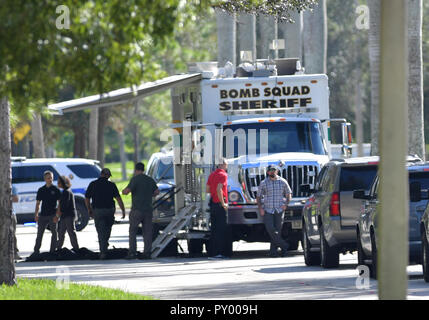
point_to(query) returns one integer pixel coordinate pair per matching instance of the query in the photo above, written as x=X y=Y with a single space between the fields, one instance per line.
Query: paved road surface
x=250 y=274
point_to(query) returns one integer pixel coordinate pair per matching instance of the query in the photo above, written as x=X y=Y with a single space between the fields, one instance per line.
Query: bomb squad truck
x=261 y=113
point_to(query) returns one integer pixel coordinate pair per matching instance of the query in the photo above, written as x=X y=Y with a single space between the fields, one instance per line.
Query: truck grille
x=295 y=175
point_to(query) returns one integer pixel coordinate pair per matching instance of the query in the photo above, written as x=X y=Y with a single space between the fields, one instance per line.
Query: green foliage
x=280 y=9
x=44 y=289
x=347 y=53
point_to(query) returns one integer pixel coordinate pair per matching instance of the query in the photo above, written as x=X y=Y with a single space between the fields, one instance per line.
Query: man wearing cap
x=276 y=194
x=102 y=192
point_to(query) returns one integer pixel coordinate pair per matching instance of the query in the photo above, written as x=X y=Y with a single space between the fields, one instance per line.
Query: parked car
x=160 y=167
x=330 y=214
x=366 y=226
x=27 y=177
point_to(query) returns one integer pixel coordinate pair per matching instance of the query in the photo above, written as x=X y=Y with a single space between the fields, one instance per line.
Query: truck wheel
x=425 y=257
x=373 y=267
x=82 y=215
x=329 y=257
x=361 y=255
x=310 y=258
x=195 y=247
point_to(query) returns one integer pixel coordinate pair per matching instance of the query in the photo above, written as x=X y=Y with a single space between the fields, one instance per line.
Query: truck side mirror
x=415 y=191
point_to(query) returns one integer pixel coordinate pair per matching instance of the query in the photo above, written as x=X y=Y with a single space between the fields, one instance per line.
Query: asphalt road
x=249 y=274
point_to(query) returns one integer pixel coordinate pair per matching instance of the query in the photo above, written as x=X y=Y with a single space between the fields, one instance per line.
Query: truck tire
x=373 y=267
x=425 y=257
x=82 y=215
x=195 y=247
x=329 y=256
x=310 y=258
x=361 y=255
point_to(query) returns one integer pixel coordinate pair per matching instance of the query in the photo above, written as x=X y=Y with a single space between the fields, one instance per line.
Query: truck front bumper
x=249 y=214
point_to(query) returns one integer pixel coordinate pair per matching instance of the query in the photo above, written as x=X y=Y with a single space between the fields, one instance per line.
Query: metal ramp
x=169 y=233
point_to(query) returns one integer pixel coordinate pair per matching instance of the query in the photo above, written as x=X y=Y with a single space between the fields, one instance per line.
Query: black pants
x=104 y=219
x=220 y=241
x=42 y=224
x=67 y=224
x=273 y=225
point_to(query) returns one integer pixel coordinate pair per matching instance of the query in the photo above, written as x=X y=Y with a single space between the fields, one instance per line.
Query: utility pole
x=393 y=194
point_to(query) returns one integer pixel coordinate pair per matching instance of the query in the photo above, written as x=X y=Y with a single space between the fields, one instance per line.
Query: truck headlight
x=234 y=196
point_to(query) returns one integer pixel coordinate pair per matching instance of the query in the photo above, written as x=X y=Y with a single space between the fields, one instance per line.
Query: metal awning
x=124 y=95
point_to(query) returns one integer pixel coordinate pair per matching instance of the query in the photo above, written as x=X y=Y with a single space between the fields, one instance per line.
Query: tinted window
x=422 y=177
x=85 y=171
x=355 y=178
x=26 y=174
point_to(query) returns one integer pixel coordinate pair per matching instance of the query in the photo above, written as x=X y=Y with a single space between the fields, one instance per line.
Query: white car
x=27 y=177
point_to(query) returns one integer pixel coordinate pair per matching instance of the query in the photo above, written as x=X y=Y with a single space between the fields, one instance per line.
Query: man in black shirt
x=102 y=209
x=49 y=196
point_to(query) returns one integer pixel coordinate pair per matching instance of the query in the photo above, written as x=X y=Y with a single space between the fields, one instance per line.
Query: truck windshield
x=245 y=139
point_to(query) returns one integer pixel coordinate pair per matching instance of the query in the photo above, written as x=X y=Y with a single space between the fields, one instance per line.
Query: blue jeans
x=273 y=225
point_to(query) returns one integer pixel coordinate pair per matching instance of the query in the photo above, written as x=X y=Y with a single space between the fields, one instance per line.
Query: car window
x=357 y=177
x=325 y=179
x=422 y=177
x=374 y=187
x=85 y=171
x=164 y=171
x=26 y=174
x=151 y=170
x=320 y=178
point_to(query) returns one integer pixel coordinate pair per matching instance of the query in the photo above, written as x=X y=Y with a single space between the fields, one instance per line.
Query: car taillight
x=335 y=204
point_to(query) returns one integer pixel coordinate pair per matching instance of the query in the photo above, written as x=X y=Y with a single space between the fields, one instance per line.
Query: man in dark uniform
x=102 y=192
x=49 y=196
x=142 y=188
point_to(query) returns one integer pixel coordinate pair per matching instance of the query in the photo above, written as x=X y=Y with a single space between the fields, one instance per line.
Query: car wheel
x=82 y=216
x=310 y=258
x=329 y=256
x=373 y=267
x=425 y=257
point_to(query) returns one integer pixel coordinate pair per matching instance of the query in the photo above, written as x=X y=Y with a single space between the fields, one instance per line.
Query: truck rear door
x=355 y=177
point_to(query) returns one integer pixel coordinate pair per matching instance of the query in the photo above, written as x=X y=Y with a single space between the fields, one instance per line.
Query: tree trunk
x=267 y=33
x=102 y=120
x=374 y=64
x=246 y=30
x=123 y=156
x=226 y=37
x=37 y=133
x=93 y=133
x=416 y=135
x=136 y=133
x=315 y=39
x=79 y=143
x=292 y=34
x=7 y=231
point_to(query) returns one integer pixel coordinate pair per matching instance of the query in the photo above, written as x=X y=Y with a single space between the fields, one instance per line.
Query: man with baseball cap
x=276 y=194
x=102 y=192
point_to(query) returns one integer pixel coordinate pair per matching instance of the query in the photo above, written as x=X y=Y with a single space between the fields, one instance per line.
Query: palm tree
x=315 y=39
x=37 y=134
x=226 y=32
x=374 y=63
x=416 y=138
x=7 y=266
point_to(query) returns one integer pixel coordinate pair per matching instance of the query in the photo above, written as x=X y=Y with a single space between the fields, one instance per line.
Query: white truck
x=262 y=113
x=273 y=114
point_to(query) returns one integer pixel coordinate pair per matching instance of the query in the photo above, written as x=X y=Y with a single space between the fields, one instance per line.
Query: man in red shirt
x=217 y=186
